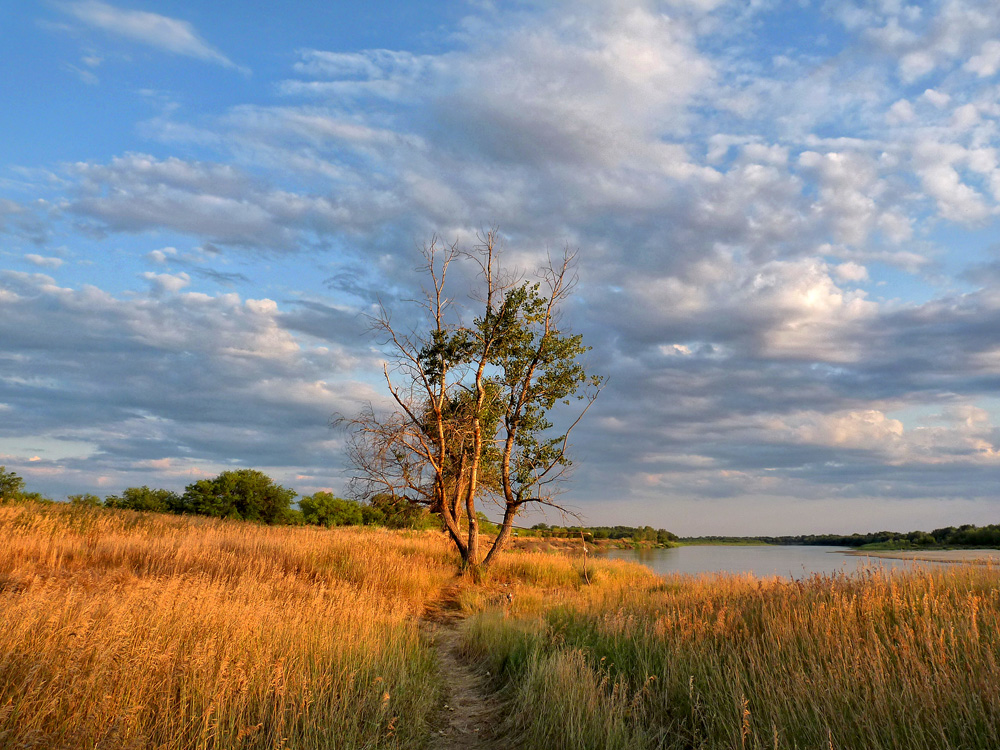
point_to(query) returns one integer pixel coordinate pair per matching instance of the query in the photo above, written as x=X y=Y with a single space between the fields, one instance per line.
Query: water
x=789 y=561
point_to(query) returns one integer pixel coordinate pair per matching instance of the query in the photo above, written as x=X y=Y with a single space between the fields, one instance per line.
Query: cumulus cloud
x=177 y=377
x=987 y=62
x=749 y=229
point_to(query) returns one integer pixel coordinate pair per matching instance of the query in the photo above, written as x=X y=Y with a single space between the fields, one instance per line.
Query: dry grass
x=120 y=629
x=879 y=661
x=127 y=630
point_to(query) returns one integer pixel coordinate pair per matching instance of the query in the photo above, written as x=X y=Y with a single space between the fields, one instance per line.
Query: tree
x=85 y=500
x=11 y=486
x=244 y=494
x=144 y=498
x=473 y=397
x=325 y=509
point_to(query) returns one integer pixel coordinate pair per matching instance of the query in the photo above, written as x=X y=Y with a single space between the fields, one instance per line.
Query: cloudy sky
x=786 y=215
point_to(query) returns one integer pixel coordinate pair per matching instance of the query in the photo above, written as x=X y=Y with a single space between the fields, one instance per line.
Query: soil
x=471 y=712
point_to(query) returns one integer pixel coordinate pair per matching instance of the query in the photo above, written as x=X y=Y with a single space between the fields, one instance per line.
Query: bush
x=325 y=509
x=244 y=494
x=11 y=486
x=143 y=498
x=397 y=513
x=87 y=500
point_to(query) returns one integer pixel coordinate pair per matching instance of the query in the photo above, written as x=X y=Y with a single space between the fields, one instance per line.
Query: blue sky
x=785 y=214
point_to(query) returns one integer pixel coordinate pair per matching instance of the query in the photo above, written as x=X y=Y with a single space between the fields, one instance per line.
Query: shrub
x=325 y=509
x=144 y=498
x=11 y=486
x=244 y=494
x=86 y=500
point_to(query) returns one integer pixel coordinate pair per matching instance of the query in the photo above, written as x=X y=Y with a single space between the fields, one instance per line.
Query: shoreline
x=962 y=556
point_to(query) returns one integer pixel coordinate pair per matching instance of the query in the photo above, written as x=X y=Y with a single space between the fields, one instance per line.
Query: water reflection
x=788 y=561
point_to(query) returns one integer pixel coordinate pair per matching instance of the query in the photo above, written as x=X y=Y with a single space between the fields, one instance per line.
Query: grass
x=120 y=629
x=131 y=630
x=877 y=661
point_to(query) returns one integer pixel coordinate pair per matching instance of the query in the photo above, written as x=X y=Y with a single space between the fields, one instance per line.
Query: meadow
x=121 y=629
x=128 y=630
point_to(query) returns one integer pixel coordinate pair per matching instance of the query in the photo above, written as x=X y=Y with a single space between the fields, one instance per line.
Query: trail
x=471 y=711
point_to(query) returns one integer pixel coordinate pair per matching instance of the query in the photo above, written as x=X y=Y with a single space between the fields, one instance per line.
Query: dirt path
x=471 y=711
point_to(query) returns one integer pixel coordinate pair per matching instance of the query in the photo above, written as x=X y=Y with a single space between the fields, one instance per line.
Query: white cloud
x=161 y=32
x=937 y=165
x=43 y=261
x=165 y=283
x=987 y=62
x=160 y=257
x=938 y=98
x=851 y=271
x=901 y=112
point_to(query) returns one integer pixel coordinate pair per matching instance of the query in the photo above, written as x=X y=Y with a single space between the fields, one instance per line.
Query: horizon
x=785 y=217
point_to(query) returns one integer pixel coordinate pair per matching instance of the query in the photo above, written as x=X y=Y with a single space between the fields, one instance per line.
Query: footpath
x=471 y=714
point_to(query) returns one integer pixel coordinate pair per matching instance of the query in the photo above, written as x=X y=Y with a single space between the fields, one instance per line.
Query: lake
x=789 y=561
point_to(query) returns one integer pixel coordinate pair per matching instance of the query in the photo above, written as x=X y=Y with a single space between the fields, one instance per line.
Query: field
x=129 y=630
x=120 y=629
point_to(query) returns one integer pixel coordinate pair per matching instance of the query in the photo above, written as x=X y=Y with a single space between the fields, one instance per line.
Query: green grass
x=876 y=662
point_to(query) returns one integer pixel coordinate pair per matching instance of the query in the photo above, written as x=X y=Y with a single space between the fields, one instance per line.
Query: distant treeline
x=591 y=533
x=967 y=535
x=247 y=495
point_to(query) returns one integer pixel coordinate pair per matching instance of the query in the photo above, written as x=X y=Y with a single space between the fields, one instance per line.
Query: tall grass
x=120 y=629
x=130 y=630
x=875 y=661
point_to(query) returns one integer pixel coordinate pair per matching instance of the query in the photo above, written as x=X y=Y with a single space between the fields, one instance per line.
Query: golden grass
x=130 y=630
x=120 y=629
x=877 y=661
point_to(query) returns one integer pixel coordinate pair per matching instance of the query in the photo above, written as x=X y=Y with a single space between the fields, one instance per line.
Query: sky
x=785 y=215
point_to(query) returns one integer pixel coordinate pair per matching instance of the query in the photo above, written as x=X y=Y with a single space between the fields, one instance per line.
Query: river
x=788 y=561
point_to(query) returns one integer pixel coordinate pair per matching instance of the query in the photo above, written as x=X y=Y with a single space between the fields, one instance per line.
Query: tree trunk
x=501 y=541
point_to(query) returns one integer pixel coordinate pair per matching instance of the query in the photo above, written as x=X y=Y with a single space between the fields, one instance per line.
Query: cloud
x=165 y=283
x=177 y=377
x=765 y=249
x=136 y=193
x=987 y=62
x=152 y=29
x=42 y=261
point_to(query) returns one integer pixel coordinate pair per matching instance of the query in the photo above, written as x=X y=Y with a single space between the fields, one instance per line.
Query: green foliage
x=11 y=486
x=144 y=498
x=967 y=535
x=12 y=489
x=397 y=513
x=86 y=500
x=486 y=526
x=325 y=509
x=244 y=494
x=590 y=533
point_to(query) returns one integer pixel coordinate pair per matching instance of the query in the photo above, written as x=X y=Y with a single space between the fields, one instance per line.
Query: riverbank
x=570 y=545
x=966 y=556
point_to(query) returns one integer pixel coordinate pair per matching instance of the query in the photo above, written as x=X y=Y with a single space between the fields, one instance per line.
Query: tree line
x=966 y=535
x=591 y=533
x=246 y=495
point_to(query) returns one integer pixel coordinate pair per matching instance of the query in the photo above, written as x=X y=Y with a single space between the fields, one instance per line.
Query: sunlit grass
x=875 y=661
x=120 y=629
x=130 y=630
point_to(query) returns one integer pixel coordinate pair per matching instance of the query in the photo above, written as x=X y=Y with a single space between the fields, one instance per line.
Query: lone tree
x=473 y=397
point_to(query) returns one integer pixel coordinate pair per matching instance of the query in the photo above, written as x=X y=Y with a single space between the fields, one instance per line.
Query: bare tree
x=473 y=397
